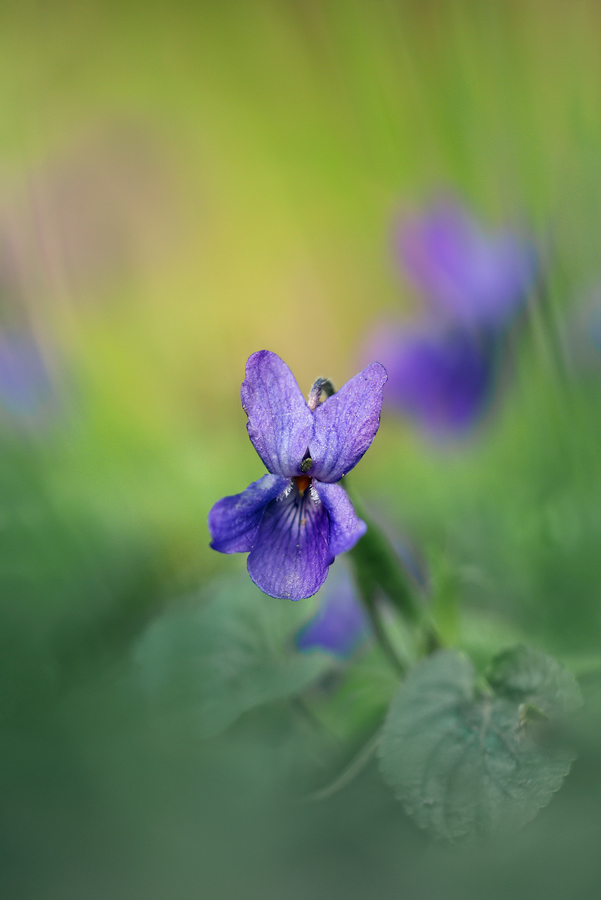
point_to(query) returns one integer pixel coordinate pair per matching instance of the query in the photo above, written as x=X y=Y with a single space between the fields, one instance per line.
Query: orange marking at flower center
x=302 y=483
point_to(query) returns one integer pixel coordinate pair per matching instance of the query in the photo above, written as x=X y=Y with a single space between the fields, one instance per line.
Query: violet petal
x=280 y=423
x=479 y=277
x=444 y=381
x=346 y=424
x=234 y=522
x=340 y=623
x=345 y=526
x=291 y=555
x=25 y=384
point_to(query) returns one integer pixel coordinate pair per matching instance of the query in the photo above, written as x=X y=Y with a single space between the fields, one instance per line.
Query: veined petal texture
x=346 y=424
x=345 y=525
x=280 y=423
x=291 y=556
x=234 y=522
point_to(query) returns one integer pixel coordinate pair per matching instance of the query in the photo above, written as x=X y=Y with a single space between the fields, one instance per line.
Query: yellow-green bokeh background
x=255 y=157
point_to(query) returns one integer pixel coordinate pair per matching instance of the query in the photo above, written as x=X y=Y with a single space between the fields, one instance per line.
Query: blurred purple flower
x=296 y=520
x=340 y=623
x=594 y=327
x=442 y=370
x=25 y=384
x=443 y=379
x=473 y=276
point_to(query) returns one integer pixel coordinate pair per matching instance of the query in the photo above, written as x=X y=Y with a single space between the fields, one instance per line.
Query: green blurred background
x=180 y=186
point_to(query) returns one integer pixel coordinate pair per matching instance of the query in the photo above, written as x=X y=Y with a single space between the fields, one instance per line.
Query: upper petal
x=234 y=522
x=291 y=556
x=280 y=423
x=345 y=525
x=346 y=424
x=477 y=276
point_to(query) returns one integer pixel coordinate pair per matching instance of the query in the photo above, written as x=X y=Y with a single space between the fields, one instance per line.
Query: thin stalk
x=379 y=570
x=384 y=641
x=351 y=771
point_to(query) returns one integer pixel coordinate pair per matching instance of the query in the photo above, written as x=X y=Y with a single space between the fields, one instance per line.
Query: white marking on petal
x=285 y=493
x=314 y=495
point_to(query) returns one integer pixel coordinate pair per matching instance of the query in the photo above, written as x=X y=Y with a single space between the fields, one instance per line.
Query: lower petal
x=291 y=556
x=345 y=526
x=234 y=522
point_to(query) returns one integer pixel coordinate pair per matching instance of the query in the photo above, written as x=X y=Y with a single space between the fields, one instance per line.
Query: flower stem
x=352 y=770
x=378 y=571
x=383 y=639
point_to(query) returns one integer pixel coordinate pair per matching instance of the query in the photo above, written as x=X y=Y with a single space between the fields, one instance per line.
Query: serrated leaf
x=530 y=676
x=216 y=658
x=463 y=762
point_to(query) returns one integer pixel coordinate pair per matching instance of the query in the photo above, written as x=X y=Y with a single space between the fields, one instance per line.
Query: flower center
x=302 y=483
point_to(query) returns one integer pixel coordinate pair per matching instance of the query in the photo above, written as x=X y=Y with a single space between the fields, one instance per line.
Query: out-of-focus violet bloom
x=473 y=276
x=294 y=521
x=442 y=369
x=24 y=381
x=443 y=379
x=340 y=624
x=594 y=327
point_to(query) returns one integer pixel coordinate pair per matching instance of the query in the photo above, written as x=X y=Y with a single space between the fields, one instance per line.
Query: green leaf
x=531 y=677
x=362 y=695
x=213 y=659
x=463 y=761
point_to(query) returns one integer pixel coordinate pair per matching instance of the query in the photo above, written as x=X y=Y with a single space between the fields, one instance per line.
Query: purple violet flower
x=340 y=623
x=294 y=521
x=594 y=327
x=25 y=384
x=443 y=370
x=444 y=379
x=477 y=277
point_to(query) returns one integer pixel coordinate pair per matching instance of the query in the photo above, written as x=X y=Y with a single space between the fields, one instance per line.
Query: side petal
x=234 y=522
x=291 y=556
x=346 y=424
x=280 y=423
x=345 y=525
